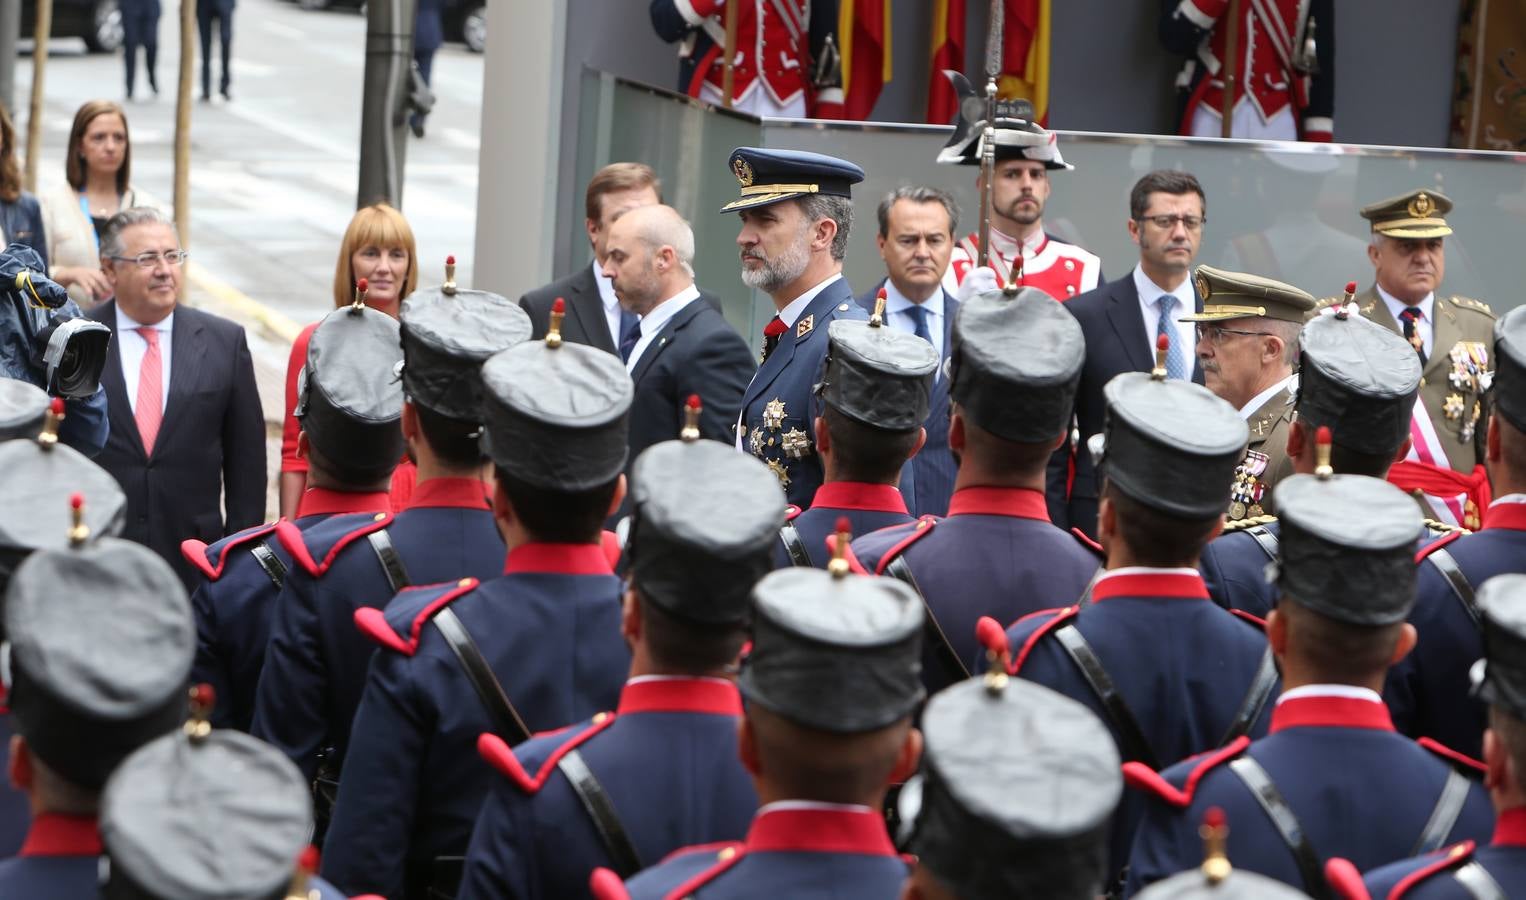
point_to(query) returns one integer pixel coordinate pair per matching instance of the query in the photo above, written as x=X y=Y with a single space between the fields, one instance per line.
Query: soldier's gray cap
x=878 y=376
x=1015 y=364
x=22 y=408
x=1359 y=379
x=39 y=479
x=1510 y=367
x=447 y=334
x=350 y=400
x=1500 y=677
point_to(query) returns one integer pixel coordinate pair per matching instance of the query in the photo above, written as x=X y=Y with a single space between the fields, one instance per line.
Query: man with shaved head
x=682 y=345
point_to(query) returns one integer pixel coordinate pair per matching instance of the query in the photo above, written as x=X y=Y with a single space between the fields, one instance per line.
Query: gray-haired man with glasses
x=187 y=431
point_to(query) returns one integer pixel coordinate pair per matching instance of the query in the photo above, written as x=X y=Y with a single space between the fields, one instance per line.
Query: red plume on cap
x=363 y=285
x=203 y=698
x=76 y=500
x=1322 y=442
x=56 y=406
x=692 y=409
x=692 y=402
x=877 y=319
x=1215 y=833
x=450 y=260
x=307 y=864
x=449 y=287
x=1214 y=817
x=79 y=532
x=1163 y=343
x=993 y=637
x=1351 y=287
x=1162 y=347
x=839 y=565
x=50 y=423
x=554 y=330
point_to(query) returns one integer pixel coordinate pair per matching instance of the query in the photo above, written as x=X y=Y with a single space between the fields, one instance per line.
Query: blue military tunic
x=15 y=808
x=667 y=760
x=868 y=508
x=235 y=603
x=315 y=667
x=1358 y=790
x=995 y=555
x=795 y=849
x=413 y=781
x=60 y=860
x=777 y=422
x=1436 y=877
x=1428 y=691
x=1190 y=674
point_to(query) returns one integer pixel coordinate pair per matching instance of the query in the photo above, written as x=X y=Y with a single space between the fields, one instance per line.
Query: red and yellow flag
x=863 y=28
x=1025 y=55
x=948 y=53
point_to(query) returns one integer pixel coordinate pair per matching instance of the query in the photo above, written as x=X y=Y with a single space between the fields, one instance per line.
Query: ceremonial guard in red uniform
x=1478 y=871
x=660 y=772
x=1428 y=691
x=1284 y=67
x=536 y=649
x=315 y=668
x=1025 y=155
x=1171 y=673
x=99 y=641
x=1018 y=785
x=873 y=398
x=1013 y=371
x=831 y=685
x=1332 y=778
x=786 y=62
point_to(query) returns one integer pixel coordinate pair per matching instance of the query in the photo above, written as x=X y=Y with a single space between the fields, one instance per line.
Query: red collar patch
x=52 y=834
x=1019 y=503
x=1150 y=585
x=683 y=695
x=859 y=495
x=454 y=493
x=1510 y=828
x=558 y=559
x=1331 y=712
x=1506 y=515
x=324 y=502
x=819 y=831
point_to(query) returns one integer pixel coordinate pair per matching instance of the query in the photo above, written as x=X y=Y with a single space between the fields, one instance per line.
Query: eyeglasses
x=1167 y=223
x=173 y=258
x=1215 y=334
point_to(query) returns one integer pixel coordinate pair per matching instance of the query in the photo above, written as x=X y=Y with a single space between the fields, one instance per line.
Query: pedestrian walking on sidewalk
x=140 y=28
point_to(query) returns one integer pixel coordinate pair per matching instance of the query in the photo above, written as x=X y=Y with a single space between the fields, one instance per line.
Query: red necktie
x=771 y=333
x=149 y=411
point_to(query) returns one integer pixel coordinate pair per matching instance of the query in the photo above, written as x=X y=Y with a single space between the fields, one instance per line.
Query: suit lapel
x=666 y=337
x=1444 y=335
x=119 y=409
x=816 y=312
x=185 y=371
x=588 y=307
x=1123 y=313
x=1375 y=310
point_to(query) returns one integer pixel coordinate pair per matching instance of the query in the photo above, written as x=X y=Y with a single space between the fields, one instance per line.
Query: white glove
x=978 y=281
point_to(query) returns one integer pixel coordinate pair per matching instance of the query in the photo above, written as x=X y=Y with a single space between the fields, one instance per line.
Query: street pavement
x=274 y=173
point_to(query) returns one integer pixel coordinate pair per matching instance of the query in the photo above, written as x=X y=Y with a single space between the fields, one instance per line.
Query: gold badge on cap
x=1203 y=290
x=743 y=171
x=1422 y=206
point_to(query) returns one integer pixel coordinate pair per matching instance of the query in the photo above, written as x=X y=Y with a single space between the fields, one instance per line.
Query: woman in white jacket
x=97 y=167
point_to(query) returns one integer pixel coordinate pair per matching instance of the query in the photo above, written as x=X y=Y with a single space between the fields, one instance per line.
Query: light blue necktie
x=1176 y=360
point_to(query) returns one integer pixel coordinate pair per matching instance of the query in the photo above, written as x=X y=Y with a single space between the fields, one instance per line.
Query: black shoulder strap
x=623 y=858
x=1479 y=884
x=932 y=633
x=1135 y=746
x=1255 y=699
x=1446 y=564
x=391 y=562
x=794 y=546
x=1448 y=807
x=275 y=570
x=506 y=720
x=1265 y=539
x=1286 y=823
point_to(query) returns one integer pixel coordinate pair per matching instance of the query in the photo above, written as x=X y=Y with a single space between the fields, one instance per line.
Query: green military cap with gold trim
x=1236 y=295
x=1417 y=214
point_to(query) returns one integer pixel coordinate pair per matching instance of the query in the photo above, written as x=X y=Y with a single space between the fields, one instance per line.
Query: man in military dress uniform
x=1025 y=156
x=1357 y=380
x=315 y=668
x=99 y=641
x=796 y=211
x=1498 y=870
x=1012 y=375
x=1451 y=337
x=831 y=685
x=351 y=418
x=1247 y=343
x=535 y=649
x=625 y=789
x=1428 y=691
x=874 y=394
x=1332 y=778
x=1017 y=787
x=1171 y=673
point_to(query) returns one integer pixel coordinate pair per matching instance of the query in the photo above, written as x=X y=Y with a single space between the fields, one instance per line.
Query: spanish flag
x=948 y=53
x=863 y=28
x=1025 y=55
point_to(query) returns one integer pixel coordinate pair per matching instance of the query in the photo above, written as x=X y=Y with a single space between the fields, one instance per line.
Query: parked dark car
x=99 y=22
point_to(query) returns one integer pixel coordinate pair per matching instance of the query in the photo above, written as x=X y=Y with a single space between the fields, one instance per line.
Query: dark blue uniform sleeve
x=366 y=849
x=501 y=859
x=1165 y=843
x=290 y=712
x=86 y=426
x=209 y=666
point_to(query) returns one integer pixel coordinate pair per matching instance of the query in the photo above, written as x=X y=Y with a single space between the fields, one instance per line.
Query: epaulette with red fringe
x=1446 y=859
x=791 y=511
x=1473 y=766
x=922 y=528
x=1252 y=618
x=316 y=548
x=399 y=626
x=1060 y=617
x=1437 y=544
x=498 y=754
x=1345 y=880
x=1141 y=777
x=212 y=560
x=1088 y=542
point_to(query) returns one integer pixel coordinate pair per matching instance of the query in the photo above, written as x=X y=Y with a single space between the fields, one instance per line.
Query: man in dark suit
x=916 y=239
x=682 y=345
x=220 y=11
x=186 y=426
x=1123 y=319
x=594 y=316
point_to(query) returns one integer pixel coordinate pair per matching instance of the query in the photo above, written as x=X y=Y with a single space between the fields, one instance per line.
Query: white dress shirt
x=653 y=322
x=611 y=303
x=131 y=347
x=790 y=313
x=1249 y=409
x=1425 y=323
x=898 y=308
x=1149 y=308
x=1345 y=691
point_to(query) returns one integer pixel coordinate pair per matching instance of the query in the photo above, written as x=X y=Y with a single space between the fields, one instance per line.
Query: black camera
x=43 y=338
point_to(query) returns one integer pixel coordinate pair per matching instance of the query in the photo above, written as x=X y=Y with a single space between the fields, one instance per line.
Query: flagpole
x=988 y=139
x=728 y=71
x=1228 y=67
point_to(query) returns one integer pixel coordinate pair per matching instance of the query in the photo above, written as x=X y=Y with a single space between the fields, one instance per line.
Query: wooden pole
x=728 y=72
x=39 y=72
x=1229 y=68
x=183 y=122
